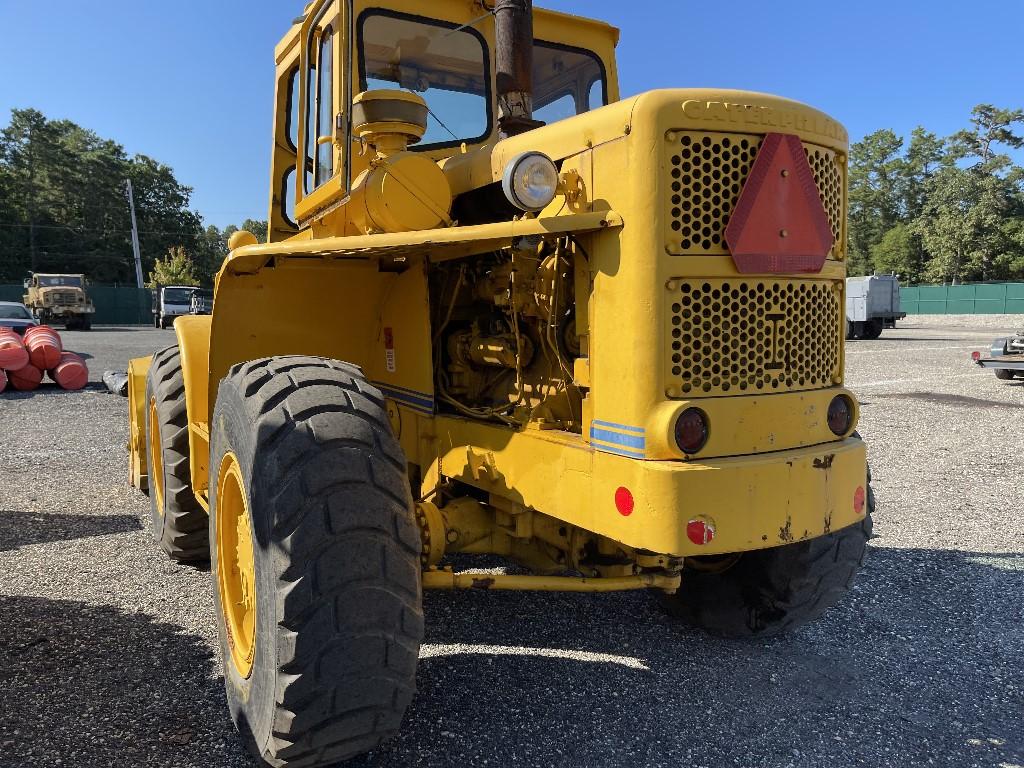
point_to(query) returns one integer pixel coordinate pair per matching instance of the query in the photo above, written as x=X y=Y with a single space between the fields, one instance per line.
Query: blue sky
x=190 y=83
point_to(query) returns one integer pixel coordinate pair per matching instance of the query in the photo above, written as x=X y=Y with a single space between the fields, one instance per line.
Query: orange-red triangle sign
x=780 y=224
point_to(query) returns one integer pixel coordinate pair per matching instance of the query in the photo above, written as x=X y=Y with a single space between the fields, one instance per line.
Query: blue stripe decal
x=419 y=400
x=617 y=438
x=619 y=451
x=622 y=427
x=406 y=390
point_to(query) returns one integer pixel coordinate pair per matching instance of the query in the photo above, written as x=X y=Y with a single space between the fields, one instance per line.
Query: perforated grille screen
x=730 y=337
x=708 y=171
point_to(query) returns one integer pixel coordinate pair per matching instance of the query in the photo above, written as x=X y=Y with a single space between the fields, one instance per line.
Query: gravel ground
x=108 y=651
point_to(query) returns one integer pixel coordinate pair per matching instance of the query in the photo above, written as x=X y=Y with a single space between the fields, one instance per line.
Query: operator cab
x=446 y=58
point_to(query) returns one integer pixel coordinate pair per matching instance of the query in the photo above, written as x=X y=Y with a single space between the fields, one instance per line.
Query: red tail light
x=691 y=430
x=840 y=415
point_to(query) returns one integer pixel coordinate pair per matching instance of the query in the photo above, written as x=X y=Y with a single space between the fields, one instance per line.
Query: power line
x=74 y=231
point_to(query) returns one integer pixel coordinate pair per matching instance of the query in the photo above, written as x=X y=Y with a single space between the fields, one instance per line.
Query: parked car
x=16 y=316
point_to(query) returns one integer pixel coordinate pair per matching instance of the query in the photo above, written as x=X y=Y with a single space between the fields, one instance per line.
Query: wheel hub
x=236 y=572
x=156 y=456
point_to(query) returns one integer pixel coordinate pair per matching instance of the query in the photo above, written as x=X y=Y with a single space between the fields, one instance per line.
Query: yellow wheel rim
x=236 y=572
x=156 y=456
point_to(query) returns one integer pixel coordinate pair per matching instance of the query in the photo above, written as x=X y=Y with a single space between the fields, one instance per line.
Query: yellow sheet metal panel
x=750 y=502
x=643 y=290
x=138 y=370
x=344 y=310
x=434 y=244
x=738 y=426
x=560 y=140
x=193 y=332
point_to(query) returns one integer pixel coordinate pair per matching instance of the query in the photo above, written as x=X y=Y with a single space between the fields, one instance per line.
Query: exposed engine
x=505 y=338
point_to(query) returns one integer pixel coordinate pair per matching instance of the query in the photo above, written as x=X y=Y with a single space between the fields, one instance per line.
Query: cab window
x=60 y=281
x=566 y=82
x=292 y=110
x=325 y=109
x=447 y=66
x=320 y=111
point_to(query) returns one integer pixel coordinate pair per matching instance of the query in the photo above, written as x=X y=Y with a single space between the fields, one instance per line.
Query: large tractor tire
x=179 y=523
x=316 y=561
x=771 y=591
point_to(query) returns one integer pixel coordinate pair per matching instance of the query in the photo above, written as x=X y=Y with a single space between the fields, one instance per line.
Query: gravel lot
x=108 y=651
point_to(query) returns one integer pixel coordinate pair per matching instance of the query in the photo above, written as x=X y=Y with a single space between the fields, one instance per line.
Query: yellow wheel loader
x=502 y=311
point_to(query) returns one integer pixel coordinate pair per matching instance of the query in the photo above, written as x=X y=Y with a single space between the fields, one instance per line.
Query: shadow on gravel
x=921 y=663
x=941 y=398
x=885 y=337
x=86 y=685
x=49 y=389
x=19 y=529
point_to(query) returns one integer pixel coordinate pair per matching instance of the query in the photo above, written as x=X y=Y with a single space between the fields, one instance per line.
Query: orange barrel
x=26 y=379
x=3 y=380
x=13 y=354
x=44 y=347
x=71 y=372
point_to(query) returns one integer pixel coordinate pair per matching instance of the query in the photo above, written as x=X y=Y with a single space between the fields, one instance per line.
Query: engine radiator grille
x=730 y=337
x=708 y=171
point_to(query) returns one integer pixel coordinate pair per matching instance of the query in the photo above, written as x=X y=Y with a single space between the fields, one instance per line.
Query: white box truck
x=872 y=303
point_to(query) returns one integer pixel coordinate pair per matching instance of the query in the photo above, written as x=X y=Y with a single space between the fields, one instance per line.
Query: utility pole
x=32 y=243
x=135 y=236
x=32 y=200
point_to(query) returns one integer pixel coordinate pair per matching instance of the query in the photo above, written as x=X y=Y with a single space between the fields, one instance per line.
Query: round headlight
x=530 y=181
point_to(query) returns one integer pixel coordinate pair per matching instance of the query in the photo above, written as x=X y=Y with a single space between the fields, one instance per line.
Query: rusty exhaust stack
x=513 y=24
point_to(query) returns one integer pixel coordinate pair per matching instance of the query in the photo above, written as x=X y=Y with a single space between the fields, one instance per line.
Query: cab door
x=325 y=93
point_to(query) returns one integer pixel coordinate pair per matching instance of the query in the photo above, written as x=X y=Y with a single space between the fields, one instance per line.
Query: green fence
x=977 y=299
x=115 y=304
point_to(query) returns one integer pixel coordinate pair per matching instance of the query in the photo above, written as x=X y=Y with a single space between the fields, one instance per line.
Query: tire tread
x=327 y=438
x=185 y=534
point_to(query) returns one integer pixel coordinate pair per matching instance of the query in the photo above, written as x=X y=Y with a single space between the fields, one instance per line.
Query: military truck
x=60 y=299
x=503 y=312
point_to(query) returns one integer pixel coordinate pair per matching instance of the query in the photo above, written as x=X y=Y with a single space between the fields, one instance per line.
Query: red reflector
x=858 y=500
x=700 y=530
x=975 y=356
x=624 y=502
x=780 y=224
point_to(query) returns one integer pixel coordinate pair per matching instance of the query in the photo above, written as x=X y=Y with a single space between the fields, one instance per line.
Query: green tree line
x=932 y=209
x=940 y=210
x=64 y=208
